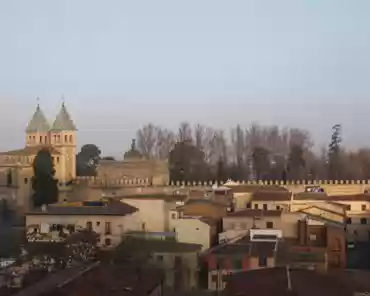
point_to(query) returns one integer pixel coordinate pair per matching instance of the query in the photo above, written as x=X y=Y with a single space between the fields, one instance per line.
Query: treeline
x=256 y=152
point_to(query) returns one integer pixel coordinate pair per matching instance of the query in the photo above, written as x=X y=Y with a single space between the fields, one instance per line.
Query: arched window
x=66 y=138
x=70 y=138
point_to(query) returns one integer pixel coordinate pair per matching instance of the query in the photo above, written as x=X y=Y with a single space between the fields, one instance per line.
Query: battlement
x=147 y=182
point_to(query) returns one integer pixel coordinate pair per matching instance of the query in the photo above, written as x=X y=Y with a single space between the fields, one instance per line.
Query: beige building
x=135 y=166
x=109 y=220
x=154 y=210
x=192 y=229
x=16 y=166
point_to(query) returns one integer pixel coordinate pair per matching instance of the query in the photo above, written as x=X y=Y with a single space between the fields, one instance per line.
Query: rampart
x=331 y=187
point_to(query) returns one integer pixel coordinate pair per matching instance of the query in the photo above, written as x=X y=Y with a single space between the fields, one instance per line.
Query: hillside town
x=130 y=228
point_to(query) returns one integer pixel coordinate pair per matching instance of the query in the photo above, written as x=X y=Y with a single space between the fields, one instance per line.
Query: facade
x=195 y=230
x=178 y=260
x=240 y=255
x=154 y=210
x=55 y=222
x=16 y=166
x=135 y=166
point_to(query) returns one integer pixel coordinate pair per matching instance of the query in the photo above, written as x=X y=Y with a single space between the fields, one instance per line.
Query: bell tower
x=63 y=138
x=37 y=131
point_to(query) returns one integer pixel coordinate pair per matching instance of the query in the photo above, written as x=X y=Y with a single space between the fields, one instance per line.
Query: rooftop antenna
x=38 y=101
x=63 y=100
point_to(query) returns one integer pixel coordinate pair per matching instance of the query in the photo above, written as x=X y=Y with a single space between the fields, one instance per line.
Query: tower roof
x=38 y=122
x=63 y=121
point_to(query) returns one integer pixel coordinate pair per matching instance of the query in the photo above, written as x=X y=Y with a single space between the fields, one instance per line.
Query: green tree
x=9 y=179
x=187 y=163
x=221 y=170
x=44 y=184
x=4 y=210
x=87 y=160
x=334 y=165
x=261 y=162
x=296 y=162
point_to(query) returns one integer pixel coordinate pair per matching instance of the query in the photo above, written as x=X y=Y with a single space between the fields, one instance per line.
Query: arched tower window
x=70 y=138
x=65 y=138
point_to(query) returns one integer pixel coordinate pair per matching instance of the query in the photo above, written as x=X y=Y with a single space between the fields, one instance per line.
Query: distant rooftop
x=132 y=244
x=114 y=208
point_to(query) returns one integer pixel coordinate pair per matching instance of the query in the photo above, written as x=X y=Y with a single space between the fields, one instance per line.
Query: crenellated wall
x=343 y=187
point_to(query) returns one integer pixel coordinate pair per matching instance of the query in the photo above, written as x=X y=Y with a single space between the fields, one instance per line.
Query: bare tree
x=184 y=132
x=166 y=140
x=146 y=139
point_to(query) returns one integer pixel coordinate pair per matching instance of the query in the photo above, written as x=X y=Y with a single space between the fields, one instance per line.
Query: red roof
x=255 y=213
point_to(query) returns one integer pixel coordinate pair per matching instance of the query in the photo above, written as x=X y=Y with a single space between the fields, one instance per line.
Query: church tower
x=63 y=138
x=37 y=131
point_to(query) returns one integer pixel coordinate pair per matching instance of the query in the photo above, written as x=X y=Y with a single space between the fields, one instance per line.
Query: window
x=97 y=223
x=160 y=258
x=66 y=138
x=108 y=228
x=89 y=226
x=173 y=215
x=25 y=180
x=70 y=138
x=107 y=242
x=348 y=207
x=363 y=207
x=249 y=205
x=363 y=221
x=265 y=207
x=143 y=226
x=40 y=139
x=238 y=264
x=349 y=221
x=262 y=261
x=57 y=159
x=269 y=224
x=256 y=206
x=278 y=208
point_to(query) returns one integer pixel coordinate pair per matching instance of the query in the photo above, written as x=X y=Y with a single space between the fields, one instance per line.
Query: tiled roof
x=274 y=281
x=332 y=198
x=139 y=245
x=30 y=150
x=63 y=121
x=245 y=246
x=38 y=122
x=166 y=197
x=271 y=195
x=254 y=188
x=114 y=280
x=114 y=208
x=255 y=213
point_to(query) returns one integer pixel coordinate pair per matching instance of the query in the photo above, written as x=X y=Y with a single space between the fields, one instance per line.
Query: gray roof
x=63 y=121
x=38 y=122
x=114 y=208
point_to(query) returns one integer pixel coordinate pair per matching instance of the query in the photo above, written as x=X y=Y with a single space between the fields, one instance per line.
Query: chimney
x=302 y=232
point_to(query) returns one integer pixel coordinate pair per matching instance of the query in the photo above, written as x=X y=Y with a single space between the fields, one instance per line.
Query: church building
x=16 y=166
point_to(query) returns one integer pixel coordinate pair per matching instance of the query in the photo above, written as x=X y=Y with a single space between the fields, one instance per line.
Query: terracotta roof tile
x=255 y=213
x=268 y=195
x=30 y=150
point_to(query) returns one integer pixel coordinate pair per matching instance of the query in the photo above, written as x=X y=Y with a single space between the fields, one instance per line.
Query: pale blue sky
x=121 y=63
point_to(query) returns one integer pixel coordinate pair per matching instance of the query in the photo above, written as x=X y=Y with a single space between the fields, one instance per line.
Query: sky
x=121 y=63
